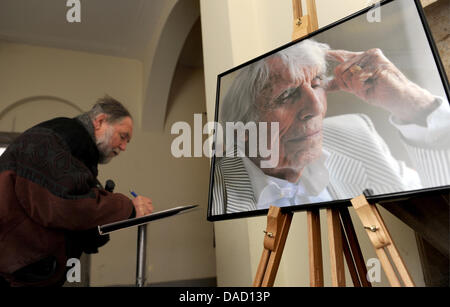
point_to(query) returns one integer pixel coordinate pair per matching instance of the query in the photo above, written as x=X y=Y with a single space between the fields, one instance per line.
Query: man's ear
x=99 y=120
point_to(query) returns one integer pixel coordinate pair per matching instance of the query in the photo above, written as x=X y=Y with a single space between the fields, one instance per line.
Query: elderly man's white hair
x=238 y=104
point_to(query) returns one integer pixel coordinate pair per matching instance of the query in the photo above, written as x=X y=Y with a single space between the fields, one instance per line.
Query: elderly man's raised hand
x=373 y=78
x=142 y=205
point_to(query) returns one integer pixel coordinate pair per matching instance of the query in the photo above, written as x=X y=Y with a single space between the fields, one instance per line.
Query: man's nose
x=310 y=104
x=123 y=146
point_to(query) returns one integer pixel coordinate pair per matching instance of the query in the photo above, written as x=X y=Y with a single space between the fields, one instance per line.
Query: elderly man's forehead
x=126 y=120
x=276 y=64
x=124 y=125
x=280 y=70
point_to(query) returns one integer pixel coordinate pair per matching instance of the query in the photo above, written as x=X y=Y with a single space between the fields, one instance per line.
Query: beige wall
x=179 y=248
x=232 y=34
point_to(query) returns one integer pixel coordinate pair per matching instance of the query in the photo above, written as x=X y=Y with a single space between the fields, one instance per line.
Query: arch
x=170 y=44
x=26 y=100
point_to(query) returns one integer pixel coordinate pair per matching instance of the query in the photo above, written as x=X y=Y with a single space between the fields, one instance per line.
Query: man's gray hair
x=238 y=103
x=114 y=110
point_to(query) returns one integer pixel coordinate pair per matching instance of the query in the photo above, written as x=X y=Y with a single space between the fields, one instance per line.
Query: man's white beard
x=103 y=145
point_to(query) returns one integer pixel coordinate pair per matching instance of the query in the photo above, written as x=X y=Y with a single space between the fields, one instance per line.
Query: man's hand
x=373 y=78
x=142 y=205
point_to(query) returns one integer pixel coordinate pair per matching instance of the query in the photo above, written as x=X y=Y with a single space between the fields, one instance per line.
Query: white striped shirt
x=358 y=159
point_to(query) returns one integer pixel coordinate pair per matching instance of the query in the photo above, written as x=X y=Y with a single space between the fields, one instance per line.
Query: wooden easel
x=381 y=239
x=342 y=242
x=341 y=233
x=304 y=24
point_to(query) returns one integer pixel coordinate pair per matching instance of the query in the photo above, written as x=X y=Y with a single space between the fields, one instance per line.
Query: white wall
x=234 y=32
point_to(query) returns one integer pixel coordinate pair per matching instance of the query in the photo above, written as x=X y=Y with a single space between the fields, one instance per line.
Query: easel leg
x=315 y=249
x=381 y=240
x=395 y=255
x=275 y=256
x=336 y=251
x=350 y=263
x=262 y=267
x=352 y=251
x=278 y=225
x=342 y=240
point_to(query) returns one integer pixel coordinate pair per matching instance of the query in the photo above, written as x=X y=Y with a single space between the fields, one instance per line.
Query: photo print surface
x=359 y=106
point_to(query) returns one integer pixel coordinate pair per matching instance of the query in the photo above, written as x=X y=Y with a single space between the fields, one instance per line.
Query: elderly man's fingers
x=355 y=73
x=343 y=72
x=144 y=210
x=143 y=205
x=341 y=82
x=332 y=86
x=342 y=56
x=148 y=206
x=357 y=62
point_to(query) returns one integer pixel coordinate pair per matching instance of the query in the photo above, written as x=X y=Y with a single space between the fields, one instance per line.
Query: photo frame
x=361 y=134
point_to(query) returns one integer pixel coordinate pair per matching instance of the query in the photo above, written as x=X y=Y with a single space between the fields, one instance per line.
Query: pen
x=133 y=193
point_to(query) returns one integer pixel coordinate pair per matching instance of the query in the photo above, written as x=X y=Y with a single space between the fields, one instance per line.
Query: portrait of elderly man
x=328 y=158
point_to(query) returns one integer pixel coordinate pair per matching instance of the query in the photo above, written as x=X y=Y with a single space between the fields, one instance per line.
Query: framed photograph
x=360 y=106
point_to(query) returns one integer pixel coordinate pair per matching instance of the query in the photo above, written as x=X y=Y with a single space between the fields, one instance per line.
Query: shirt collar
x=86 y=121
x=267 y=189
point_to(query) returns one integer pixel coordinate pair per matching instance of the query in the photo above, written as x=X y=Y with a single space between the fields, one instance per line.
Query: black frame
x=343 y=202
